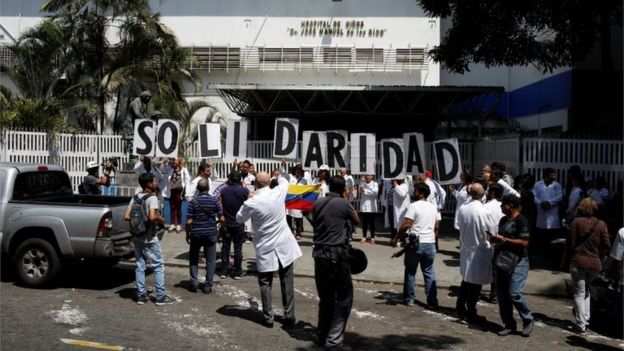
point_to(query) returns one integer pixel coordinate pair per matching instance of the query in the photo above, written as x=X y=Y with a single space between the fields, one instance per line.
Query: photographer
x=91 y=183
x=419 y=222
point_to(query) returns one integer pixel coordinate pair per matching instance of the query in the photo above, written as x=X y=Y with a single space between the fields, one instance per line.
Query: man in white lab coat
x=475 y=254
x=401 y=201
x=276 y=247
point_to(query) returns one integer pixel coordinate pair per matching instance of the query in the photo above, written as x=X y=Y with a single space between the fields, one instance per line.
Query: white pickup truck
x=43 y=224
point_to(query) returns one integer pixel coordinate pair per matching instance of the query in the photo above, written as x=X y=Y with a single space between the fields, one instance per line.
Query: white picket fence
x=595 y=157
x=531 y=155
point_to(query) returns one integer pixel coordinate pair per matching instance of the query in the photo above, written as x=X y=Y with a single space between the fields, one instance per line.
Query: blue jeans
x=152 y=251
x=236 y=235
x=509 y=290
x=210 y=254
x=424 y=256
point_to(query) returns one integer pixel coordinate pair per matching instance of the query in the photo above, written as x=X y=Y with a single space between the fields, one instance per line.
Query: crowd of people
x=504 y=223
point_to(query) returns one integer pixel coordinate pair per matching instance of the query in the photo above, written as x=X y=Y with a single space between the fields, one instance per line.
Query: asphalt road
x=94 y=306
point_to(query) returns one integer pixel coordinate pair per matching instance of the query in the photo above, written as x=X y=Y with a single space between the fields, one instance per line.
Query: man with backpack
x=201 y=232
x=144 y=217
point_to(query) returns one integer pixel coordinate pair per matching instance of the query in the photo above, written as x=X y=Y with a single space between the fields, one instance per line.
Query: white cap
x=92 y=164
x=324 y=168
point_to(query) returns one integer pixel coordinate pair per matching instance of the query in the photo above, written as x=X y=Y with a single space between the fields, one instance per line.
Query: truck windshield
x=34 y=185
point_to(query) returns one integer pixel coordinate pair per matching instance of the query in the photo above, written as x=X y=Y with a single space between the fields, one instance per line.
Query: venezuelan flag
x=302 y=197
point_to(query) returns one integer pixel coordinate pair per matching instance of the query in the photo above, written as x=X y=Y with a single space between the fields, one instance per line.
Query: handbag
x=506 y=261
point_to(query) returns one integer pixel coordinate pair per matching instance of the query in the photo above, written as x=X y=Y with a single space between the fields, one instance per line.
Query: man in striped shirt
x=201 y=232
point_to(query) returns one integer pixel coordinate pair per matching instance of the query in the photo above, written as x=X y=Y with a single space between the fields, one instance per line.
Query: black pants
x=467 y=300
x=236 y=236
x=298 y=229
x=390 y=216
x=335 y=290
x=265 y=280
x=368 y=221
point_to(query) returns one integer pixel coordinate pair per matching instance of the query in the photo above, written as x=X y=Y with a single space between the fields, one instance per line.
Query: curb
x=439 y=284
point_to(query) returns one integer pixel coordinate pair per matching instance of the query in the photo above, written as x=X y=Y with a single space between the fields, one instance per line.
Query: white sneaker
x=172 y=228
x=178 y=228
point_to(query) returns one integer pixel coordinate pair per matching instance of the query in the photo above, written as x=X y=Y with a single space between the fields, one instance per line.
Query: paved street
x=93 y=305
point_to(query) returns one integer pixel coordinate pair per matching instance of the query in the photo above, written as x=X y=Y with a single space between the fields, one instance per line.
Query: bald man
x=475 y=255
x=276 y=247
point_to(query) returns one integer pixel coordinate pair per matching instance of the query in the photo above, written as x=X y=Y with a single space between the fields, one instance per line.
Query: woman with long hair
x=587 y=244
x=178 y=177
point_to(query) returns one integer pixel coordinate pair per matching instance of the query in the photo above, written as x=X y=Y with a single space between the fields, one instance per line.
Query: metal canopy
x=442 y=103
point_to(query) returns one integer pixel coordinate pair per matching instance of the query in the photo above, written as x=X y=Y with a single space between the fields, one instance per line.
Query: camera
x=412 y=241
x=110 y=164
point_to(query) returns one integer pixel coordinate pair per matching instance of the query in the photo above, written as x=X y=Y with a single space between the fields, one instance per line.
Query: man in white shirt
x=400 y=201
x=437 y=197
x=275 y=245
x=493 y=206
x=497 y=177
x=548 y=197
x=475 y=255
x=202 y=173
x=420 y=247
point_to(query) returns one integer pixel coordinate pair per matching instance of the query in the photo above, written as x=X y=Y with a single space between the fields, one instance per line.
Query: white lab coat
x=475 y=253
x=191 y=189
x=273 y=240
x=368 y=196
x=494 y=209
x=401 y=203
x=548 y=219
x=507 y=189
x=461 y=198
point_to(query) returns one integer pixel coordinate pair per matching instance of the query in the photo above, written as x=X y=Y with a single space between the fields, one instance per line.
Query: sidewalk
x=381 y=268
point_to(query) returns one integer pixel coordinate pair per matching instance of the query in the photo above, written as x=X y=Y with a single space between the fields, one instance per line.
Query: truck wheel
x=37 y=262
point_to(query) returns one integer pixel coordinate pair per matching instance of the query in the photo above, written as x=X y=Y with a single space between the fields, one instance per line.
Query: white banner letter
x=285 y=138
x=236 y=140
x=448 y=161
x=209 y=140
x=392 y=159
x=363 y=153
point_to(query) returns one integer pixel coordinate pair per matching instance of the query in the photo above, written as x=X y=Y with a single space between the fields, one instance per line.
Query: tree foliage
x=68 y=60
x=548 y=34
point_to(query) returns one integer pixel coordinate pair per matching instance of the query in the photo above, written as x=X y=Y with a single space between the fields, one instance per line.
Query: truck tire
x=37 y=262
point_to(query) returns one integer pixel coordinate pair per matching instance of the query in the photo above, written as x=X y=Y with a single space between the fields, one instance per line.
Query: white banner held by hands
x=236 y=140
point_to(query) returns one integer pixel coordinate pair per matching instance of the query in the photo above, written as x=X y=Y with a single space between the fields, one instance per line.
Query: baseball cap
x=92 y=164
x=324 y=168
x=428 y=173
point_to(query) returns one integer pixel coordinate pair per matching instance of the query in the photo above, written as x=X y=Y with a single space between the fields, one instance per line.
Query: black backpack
x=139 y=218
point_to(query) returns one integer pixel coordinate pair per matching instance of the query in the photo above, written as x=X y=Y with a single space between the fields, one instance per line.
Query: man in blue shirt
x=201 y=232
x=232 y=196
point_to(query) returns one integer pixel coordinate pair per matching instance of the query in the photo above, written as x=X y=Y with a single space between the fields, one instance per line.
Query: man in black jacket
x=332 y=271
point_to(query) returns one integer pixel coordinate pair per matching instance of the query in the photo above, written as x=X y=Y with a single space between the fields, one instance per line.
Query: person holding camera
x=91 y=183
x=419 y=224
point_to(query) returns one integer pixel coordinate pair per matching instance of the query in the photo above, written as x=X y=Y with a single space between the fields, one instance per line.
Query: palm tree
x=68 y=57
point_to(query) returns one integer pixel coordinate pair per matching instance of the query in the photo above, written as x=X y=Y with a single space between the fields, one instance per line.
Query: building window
x=6 y=56
x=336 y=55
x=216 y=57
x=414 y=56
x=286 y=55
x=369 y=55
